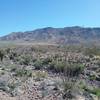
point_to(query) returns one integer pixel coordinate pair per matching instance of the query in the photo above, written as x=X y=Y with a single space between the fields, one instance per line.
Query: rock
x=49 y=82
x=80 y=97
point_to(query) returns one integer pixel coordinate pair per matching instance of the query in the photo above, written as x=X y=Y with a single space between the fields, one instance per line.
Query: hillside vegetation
x=49 y=72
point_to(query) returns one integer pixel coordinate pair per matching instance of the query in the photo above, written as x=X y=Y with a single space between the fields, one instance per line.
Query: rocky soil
x=39 y=73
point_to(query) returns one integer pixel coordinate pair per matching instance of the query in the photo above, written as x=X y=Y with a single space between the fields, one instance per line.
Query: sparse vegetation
x=58 y=69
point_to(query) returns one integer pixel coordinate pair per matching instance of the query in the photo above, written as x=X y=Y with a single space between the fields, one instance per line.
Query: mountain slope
x=57 y=35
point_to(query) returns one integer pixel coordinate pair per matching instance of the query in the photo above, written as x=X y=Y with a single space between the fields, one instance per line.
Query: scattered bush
x=23 y=73
x=38 y=64
x=73 y=70
x=69 y=69
x=57 y=66
x=25 y=59
x=68 y=88
x=47 y=61
x=60 y=67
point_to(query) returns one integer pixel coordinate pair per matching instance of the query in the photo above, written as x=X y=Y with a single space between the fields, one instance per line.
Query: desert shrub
x=71 y=73
x=12 y=55
x=12 y=85
x=40 y=74
x=95 y=91
x=25 y=59
x=92 y=77
x=69 y=69
x=1 y=54
x=23 y=72
x=38 y=64
x=73 y=70
x=57 y=66
x=60 y=67
x=7 y=50
x=52 y=65
x=47 y=61
x=68 y=85
x=82 y=85
x=68 y=88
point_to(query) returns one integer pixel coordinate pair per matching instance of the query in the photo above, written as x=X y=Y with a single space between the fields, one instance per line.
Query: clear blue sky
x=24 y=15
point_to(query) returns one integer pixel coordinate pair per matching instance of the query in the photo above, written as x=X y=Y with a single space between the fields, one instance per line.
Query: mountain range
x=70 y=35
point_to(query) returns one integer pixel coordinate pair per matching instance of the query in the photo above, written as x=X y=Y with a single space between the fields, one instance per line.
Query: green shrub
x=47 y=61
x=82 y=85
x=95 y=91
x=25 y=59
x=60 y=67
x=57 y=66
x=23 y=72
x=93 y=77
x=73 y=70
x=38 y=64
x=68 y=88
x=69 y=69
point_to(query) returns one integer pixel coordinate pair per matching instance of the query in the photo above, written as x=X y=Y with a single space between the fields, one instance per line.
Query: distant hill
x=70 y=35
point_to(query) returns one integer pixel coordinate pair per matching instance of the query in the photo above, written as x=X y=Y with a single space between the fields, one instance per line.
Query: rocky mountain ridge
x=65 y=35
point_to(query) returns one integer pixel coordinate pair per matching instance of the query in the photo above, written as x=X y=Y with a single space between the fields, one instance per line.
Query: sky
x=26 y=15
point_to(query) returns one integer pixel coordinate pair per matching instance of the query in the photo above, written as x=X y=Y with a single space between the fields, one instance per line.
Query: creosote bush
x=71 y=75
x=69 y=69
